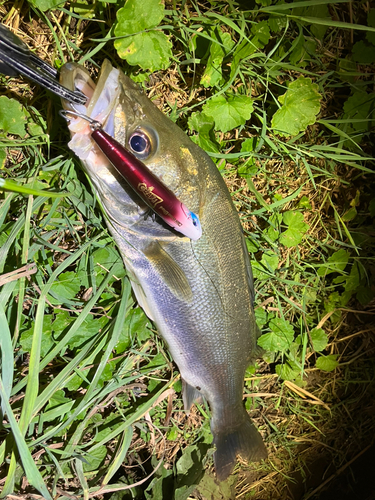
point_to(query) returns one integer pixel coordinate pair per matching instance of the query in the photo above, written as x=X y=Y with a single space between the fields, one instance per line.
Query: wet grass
x=93 y=400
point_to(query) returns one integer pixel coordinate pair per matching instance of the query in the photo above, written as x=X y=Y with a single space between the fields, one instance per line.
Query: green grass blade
x=120 y=454
x=32 y=473
x=6 y=355
x=7 y=185
x=296 y=5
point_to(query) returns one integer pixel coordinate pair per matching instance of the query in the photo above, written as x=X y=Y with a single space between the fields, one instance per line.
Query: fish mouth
x=101 y=104
x=102 y=97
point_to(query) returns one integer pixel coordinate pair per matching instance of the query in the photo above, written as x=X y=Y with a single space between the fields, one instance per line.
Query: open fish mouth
x=100 y=106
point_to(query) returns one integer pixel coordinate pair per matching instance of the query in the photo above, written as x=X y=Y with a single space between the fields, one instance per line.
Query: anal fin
x=190 y=395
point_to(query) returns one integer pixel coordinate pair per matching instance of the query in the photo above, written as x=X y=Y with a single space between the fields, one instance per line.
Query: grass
x=93 y=401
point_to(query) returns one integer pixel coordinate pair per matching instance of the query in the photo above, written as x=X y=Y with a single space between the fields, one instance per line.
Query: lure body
x=148 y=186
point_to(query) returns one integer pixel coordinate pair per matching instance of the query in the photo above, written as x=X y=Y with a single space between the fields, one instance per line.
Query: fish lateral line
x=145 y=183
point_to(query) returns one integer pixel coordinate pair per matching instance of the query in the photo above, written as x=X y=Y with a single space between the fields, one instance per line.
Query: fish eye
x=140 y=144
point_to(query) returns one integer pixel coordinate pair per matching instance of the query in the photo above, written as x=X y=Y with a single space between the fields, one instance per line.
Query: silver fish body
x=198 y=293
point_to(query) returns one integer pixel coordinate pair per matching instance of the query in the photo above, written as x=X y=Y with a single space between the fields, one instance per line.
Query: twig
x=303 y=393
x=25 y=271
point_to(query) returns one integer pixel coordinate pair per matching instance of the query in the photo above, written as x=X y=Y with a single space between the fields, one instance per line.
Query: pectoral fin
x=170 y=272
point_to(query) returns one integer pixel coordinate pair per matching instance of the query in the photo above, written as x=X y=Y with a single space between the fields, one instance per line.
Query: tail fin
x=243 y=440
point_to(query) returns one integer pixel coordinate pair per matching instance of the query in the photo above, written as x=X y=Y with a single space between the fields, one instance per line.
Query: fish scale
x=198 y=293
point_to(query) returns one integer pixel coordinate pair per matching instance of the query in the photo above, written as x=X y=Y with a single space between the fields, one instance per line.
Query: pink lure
x=148 y=186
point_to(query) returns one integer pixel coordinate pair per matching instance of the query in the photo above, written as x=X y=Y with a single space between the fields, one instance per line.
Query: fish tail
x=244 y=440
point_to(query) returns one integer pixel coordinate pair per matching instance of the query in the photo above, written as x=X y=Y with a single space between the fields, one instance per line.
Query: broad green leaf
x=12 y=117
x=332 y=303
x=243 y=50
x=248 y=145
x=273 y=231
x=44 y=5
x=151 y=50
x=159 y=485
x=74 y=383
x=300 y=105
x=279 y=338
x=57 y=407
x=94 y=458
x=27 y=336
x=319 y=339
x=365 y=295
x=276 y=23
x=108 y=258
x=327 y=363
x=157 y=360
x=172 y=434
x=346 y=69
x=251 y=244
x=249 y=168
x=204 y=125
x=229 y=112
x=302 y=52
x=296 y=229
x=218 y=50
x=67 y=285
x=298 y=51
x=288 y=370
x=352 y=281
x=209 y=487
x=363 y=52
x=335 y=263
x=135 y=325
x=63 y=319
x=266 y=267
x=189 y=470
x=89 y=328
x=261 y=317
x=84 y=8
x=58 y=398
x=261 y=32
x=314 y=11
x=358 y=110
x=304 y=202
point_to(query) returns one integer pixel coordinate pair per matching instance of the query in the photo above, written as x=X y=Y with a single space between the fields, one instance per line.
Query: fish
x=199 y=293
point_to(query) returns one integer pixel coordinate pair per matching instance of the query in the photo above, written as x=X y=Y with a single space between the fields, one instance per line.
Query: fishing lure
x=146 y=184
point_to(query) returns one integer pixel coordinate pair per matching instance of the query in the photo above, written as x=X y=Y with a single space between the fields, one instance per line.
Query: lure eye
x=140 y=144
x=194 y=219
